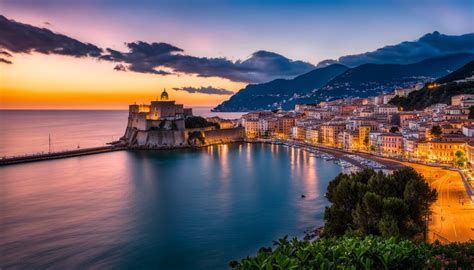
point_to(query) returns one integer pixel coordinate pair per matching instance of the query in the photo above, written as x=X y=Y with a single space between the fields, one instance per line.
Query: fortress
x=162 y=124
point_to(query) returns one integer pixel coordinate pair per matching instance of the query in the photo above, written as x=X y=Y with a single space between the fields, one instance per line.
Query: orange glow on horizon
x=59 y=82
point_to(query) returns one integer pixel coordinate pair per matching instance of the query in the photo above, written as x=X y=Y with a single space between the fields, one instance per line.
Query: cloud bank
x=428 y=46
x=153 y=58
x=205 y=90
x=23 y=38
x=261 y=66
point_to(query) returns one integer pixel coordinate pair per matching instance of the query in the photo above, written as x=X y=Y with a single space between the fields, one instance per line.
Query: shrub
x=198 y=122
x=350 y=252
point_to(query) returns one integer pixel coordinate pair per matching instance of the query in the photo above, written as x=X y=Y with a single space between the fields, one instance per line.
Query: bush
x=198 y=122
x=196 y=136
x=350 y=252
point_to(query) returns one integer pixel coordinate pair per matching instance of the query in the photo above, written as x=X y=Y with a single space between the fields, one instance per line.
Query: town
x=440 y=134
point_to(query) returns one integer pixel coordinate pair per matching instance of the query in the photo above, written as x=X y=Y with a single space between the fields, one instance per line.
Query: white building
x=468 y=131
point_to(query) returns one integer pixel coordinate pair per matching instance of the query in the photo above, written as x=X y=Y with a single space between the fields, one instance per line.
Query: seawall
x=58 y=155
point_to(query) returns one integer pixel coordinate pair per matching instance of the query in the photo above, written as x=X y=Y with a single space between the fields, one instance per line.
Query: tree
x=394 y=129
x=196 y=138
x=461 y=158
x=198 y=122
x=366 y=141
x=373 y=203
x=436 y=131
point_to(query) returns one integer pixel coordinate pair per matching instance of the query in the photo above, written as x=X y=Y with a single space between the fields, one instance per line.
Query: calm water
x=164 y=210
x=187 y=209
x=28 y=131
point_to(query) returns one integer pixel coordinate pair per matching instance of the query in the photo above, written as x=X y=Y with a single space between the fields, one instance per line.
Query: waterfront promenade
x=452 y=218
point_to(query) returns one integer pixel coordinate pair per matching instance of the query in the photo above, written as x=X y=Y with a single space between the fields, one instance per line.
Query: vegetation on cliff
x=425 y=97
x=353 y=252
x=430 y=94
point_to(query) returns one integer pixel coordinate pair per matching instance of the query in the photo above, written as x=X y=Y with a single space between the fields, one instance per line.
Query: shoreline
x=445 y=179
x=339 y=154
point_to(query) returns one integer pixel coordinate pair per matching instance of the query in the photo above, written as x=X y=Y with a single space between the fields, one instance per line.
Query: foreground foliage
x=373 y=203
x=351 y=252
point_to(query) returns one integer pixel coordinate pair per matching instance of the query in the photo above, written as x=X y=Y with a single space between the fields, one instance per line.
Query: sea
x=183 y=209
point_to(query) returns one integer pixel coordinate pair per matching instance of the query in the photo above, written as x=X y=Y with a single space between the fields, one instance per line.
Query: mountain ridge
x=262 y=95
x=361 y=81
x=407 y=52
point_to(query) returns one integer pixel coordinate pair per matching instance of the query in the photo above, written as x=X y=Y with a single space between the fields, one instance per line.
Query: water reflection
x=223 y=151
x=41 y=211
x=158 y=209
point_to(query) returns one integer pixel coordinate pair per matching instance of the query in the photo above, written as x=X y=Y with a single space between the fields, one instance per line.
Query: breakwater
x=56 y=155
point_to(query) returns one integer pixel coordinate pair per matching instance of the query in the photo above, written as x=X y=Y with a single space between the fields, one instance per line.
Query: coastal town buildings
x=373 y=125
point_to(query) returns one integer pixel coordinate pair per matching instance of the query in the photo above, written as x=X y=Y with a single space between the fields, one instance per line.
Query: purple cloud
x=205 y=90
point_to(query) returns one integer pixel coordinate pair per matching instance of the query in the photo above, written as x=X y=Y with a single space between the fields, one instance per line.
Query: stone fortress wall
x=224 y=135
x=162 y=125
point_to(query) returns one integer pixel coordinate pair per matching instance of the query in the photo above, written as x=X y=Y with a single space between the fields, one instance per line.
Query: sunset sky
x=211 y=38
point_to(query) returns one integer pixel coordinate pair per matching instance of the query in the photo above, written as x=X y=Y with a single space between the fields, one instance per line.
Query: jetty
x=56 y=155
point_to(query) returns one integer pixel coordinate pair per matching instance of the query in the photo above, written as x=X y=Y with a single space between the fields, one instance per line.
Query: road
x=452 y=217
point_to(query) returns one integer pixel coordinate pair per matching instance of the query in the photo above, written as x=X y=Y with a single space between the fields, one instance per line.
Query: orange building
x=330 y=132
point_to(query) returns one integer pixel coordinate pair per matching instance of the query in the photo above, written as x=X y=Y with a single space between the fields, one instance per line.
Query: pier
x=57 y=155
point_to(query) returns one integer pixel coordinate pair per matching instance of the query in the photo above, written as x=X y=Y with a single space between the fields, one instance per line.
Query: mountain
x=338 y=81
x=425 y=97
x=272 y=94
x=462 y=73
x=374 y=79
x=428 y=46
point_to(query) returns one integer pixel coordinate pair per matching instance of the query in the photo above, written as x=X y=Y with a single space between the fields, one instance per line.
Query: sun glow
x=50 y=81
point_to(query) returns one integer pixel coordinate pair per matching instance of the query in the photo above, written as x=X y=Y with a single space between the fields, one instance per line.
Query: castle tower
x=164 y=95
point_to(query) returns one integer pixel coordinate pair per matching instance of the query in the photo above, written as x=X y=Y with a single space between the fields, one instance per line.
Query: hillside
x=464 y=72
x=425 y=97
x=337 y=81
x=373 y=79
x=270 y=95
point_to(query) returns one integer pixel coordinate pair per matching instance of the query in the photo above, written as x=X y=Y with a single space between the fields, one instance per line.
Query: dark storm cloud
x=150 y=58
x=23 y=38
x=261 y=66
x=5 y=61
x=430 y=45
x=205 y=90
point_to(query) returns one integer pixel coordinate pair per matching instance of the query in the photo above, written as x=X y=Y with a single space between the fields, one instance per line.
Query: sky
x=213 y=38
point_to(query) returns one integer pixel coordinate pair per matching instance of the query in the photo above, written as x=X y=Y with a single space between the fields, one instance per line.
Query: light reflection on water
x=189 y=209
